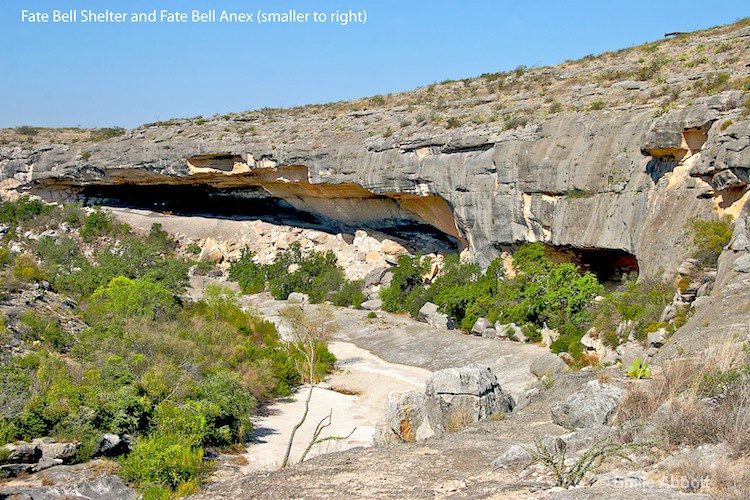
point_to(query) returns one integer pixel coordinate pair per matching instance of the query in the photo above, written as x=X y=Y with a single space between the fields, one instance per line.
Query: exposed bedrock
x=620 y=179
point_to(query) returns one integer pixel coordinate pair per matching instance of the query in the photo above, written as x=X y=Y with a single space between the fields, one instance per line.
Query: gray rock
x=427 y=309
x=511 y=331
x=23 y=453
x=515 y=455
x=113 y=445
x=440 y=321
x=372 y=305
x=629 y=351
x=547 y=365
x=375 y=277
x=104 y=487
x=701 y=302
x=459 y=396
x=215 y=273
x=726 y=179
x=385 y=281
x=489 y=333
x=63 y=451
x=46 y=463
x=405 y=415
x=13 y=470
x=480 y=326
x=657 y=338
x=742 y=265
x=630 y=85
x=298 y=298
x=500 y=330
x=593 y=406
x=668 y=314
x=429 y=314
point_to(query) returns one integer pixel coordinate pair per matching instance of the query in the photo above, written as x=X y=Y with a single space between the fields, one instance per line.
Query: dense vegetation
x=134 y=358
x=315 y=273
x=541 y=293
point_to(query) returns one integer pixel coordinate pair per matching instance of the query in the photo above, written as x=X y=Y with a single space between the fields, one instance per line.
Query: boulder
x=405 y=415
x=593 y=406
x=112 y=445
x=480 y=326
x=385 y=281
x=657 y=338
x=700 y=302
x=59 y=451
x=742 y=265
x=440 y=321
x=427 y=309
x=375 y=277
x=511 y=331
x=514 y=455
x=372 y=305
x=548 y=365
x=429 y=314
x=457 y=397
x=298 y=298
x=549 y=335
x=23 y=453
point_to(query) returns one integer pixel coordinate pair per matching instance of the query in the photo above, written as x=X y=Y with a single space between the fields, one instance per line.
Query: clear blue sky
x=128 y=74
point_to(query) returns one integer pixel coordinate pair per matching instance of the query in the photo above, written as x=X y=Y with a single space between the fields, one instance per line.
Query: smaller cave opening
x=609 y=265
x=221 y=162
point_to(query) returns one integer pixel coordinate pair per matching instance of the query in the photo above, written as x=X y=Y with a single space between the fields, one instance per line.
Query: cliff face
x=563 y=155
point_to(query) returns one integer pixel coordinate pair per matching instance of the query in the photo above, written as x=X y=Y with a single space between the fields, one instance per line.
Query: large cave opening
x=256 y=203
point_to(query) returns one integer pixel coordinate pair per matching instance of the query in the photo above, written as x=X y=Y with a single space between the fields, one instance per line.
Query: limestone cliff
x=610 y=152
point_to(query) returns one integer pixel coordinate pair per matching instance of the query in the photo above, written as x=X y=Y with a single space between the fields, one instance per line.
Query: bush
x=97 y=224
x=22 y=210
x=710 y=237
x=162 y=460
x=639 y=302
x=350 y=294
x=226 y=406
x=127 y=298
x=26 y=269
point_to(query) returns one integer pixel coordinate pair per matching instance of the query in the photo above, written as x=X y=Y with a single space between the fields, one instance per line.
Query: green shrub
x=101 y=134
x=249 y=275
x=26 y=269
x=350 y=294
x=97 y=224
x=193 y=248
x=226 y=406
x=640 y=302
x=26 y=130
x=22 y=210
x=126 y=298
x=162 y=460
x=407 y=281
x=710 y=237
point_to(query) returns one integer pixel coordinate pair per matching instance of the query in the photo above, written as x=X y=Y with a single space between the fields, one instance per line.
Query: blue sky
x=129 y=74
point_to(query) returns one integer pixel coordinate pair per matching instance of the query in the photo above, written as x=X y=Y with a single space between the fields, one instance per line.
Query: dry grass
x=696 y=401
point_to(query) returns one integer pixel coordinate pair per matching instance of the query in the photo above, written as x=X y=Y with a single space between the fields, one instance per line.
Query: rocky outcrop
x=625 y=178
x=457 y=397
x=591 y=407
x=406 y=416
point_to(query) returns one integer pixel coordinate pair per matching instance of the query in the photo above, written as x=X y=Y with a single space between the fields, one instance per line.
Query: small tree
x=307 y=332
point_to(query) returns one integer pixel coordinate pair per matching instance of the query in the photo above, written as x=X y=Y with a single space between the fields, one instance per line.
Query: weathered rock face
x=406 y=417
x=624 y=178
x=591 y=407
x=457 y=397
